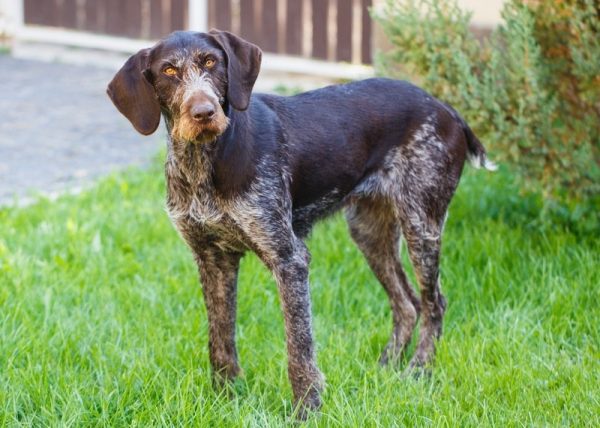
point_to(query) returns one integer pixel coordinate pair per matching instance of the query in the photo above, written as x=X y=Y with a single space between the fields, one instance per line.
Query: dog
x=254 y=172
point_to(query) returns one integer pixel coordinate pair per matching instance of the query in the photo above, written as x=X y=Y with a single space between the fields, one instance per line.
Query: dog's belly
x=304 y=217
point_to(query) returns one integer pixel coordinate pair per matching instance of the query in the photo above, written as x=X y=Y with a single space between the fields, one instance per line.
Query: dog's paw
x=394 y=352
x=308 y=406
x=231 y=388
x=418 y=370
x=391 y=357
x=309 y=402
x=228 y=379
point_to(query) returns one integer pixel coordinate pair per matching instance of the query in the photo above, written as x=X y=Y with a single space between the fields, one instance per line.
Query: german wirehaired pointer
x=255 y=172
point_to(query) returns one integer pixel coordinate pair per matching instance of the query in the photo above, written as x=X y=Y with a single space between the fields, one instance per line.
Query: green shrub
x=531 y=90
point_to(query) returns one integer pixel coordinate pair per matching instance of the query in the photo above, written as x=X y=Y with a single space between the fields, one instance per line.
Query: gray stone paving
x=59 y=130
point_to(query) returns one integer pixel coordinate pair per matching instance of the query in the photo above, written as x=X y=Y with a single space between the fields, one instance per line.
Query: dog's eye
x=209 y=63
x=170 y=71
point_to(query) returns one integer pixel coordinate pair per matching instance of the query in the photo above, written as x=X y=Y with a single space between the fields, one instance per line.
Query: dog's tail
x=476 y=152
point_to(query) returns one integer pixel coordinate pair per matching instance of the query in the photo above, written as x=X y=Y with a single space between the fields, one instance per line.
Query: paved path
x=59 y=130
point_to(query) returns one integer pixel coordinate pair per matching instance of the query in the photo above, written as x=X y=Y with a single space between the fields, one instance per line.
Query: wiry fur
x=266 y=168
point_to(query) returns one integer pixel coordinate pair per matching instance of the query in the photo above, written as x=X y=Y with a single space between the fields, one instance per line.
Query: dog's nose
x=202 y=111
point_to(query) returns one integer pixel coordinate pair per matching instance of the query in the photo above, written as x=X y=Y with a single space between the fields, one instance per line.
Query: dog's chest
x=198 y=214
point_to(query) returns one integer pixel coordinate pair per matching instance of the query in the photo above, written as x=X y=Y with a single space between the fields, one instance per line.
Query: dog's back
x=337 y=140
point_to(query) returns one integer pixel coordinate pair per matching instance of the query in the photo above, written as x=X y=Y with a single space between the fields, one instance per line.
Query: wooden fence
x=144 y=19
x=335 y=30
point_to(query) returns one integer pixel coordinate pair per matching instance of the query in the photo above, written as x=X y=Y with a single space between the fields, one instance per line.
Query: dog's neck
x=192 y=161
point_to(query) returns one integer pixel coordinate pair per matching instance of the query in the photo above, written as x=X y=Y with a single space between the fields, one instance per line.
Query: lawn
x=102 y=320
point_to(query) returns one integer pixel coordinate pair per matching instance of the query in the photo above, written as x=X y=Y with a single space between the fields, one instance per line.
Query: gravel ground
x=59 y=130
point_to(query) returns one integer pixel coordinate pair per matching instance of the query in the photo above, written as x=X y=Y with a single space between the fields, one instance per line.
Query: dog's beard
x=185 y=128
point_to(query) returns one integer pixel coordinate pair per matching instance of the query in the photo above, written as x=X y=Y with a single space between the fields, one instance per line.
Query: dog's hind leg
x=422 y=231
x=374 y=227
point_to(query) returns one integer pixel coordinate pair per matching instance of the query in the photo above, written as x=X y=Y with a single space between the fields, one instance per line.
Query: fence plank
x=40 y=12
x=178 y=15
x=94 y=16
x=366 y=37
x=116 y=17
x=133 y=18
x=248 y=27
x=222 y=14
x=269 y=37
x=344 y=30
x=156 y=27
x=293 y=38
x=31 y=12
x=68 y=13
x=319 y=21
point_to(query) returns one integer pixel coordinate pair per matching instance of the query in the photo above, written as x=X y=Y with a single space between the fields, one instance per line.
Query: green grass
x=102 y=321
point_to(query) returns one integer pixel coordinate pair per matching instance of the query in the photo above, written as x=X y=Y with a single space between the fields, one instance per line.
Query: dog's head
x=190 y=77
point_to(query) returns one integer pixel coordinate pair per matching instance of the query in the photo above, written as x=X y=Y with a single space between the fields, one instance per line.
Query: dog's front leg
x=218 y=275
x=290 y=269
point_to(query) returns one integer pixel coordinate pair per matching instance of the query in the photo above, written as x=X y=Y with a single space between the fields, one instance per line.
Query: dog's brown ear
x=243 y=65
x=134 y=96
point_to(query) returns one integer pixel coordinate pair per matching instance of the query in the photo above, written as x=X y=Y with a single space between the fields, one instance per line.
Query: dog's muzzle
x=202 y=120
x=202 y=111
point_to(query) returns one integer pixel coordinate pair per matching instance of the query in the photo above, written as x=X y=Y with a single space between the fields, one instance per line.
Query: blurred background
x=57 y=128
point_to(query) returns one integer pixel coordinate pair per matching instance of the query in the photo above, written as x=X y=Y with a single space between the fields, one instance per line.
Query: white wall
x=486 y=13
